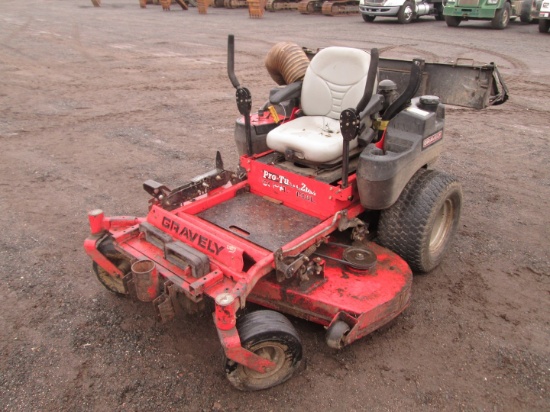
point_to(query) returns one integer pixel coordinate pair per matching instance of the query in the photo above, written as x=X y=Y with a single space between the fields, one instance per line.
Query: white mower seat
x=335 y=80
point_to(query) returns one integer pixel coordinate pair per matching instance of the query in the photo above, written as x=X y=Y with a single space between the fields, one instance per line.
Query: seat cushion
x=334 y=81
x=315 y=139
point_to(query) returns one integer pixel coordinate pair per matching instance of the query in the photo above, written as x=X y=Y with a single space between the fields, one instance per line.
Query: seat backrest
x=334 y=81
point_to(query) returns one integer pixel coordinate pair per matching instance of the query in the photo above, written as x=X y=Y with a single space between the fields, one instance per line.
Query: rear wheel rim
x=442 y=226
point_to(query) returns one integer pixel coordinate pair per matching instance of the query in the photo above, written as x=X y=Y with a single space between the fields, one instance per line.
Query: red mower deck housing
x=243 y=229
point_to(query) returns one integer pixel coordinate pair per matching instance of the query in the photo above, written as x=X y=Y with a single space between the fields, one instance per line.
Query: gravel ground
x=94 y=101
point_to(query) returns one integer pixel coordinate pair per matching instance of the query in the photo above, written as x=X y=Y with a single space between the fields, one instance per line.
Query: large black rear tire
x=544 y=25
x=419 y=227
x=271 y=335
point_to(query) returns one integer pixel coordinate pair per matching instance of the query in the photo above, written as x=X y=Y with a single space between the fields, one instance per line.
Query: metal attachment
x=164 y=304
x=349 y=124
x=146 y=280
x=225 y=299
x=360 y=230
x=289 y=266
x=95 y=218
x=360 y=258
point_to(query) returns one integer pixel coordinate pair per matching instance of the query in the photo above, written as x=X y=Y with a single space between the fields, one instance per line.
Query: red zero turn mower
x=331 y=207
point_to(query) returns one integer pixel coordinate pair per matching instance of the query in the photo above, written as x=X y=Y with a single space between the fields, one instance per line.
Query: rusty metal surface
x=260 y=221
x=468 y=85
x=329 y=8
x=310 y=6
x=164 y=304
x=277 y=5
x=339 y=8
x=366 y=299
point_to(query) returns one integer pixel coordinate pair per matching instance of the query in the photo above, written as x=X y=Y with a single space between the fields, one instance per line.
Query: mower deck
x=229 y=242
x=364 y=299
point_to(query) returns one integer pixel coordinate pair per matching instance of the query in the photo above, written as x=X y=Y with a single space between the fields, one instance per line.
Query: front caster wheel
x=336 y=333
x=112 y=283
x=270 y=335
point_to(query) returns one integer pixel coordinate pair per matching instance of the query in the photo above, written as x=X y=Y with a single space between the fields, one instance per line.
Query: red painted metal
x=380 y=143
x=233 y=349
x=95 y=217
x=265 y=118
x=146 y=280
x=212 y=198
x=241 y=270
x=365 y=299
x=90 y=246
x=226 y=311
x=305 y=194
x=294 y=113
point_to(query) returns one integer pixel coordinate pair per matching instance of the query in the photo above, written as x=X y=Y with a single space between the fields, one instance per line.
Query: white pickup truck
x=405 y=10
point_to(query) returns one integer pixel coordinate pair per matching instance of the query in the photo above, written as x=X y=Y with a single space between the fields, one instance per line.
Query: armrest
x=375 y=104
x=292 y=91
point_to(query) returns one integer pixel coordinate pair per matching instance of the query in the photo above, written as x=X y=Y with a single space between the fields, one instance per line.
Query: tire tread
x=403 y=227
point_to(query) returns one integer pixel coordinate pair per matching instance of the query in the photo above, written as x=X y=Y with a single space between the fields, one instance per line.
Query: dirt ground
x=94 y=101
